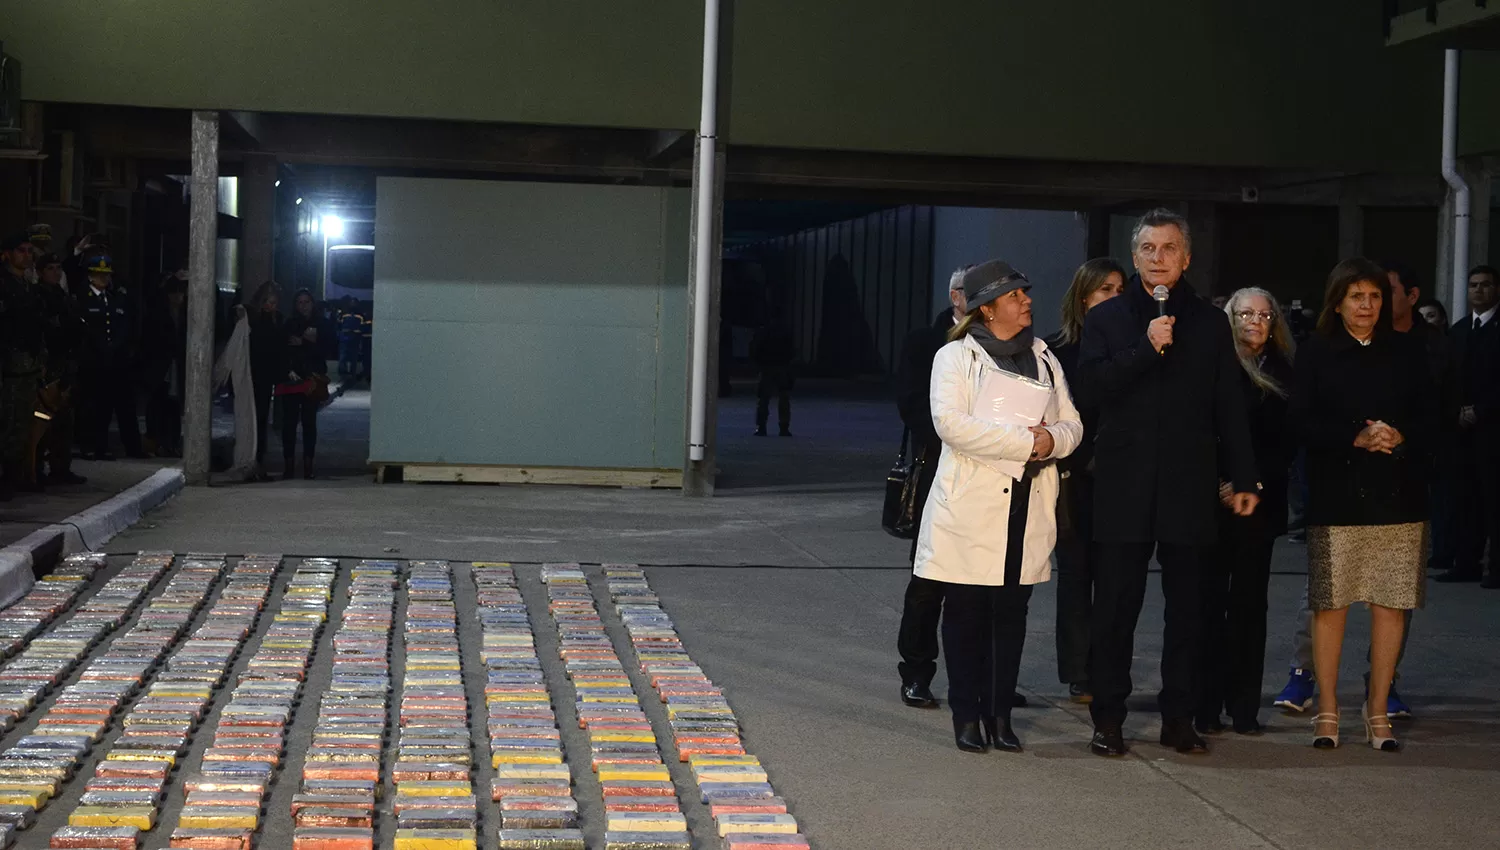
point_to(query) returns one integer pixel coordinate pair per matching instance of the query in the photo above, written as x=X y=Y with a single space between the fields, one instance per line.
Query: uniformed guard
x=105 y=375
x=60 y=383
x=24 y=347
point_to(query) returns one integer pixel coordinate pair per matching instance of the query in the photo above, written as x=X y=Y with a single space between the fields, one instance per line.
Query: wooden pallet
x=386 y=473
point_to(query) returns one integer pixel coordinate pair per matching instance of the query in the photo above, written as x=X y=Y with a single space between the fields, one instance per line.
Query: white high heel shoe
x=1378 y=731
x=1321 y=739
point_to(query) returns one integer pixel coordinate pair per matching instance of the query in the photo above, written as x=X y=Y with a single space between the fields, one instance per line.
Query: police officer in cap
x=105 y=369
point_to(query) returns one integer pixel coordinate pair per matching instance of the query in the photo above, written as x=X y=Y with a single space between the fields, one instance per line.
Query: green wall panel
x=529 y=324
x=1283 y=82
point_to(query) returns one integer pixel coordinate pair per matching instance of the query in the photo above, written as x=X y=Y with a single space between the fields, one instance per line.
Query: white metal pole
x=1459 y=297
x=704 y=170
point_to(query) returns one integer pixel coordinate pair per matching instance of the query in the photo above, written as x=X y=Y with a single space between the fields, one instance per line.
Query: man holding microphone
x=1160 y=365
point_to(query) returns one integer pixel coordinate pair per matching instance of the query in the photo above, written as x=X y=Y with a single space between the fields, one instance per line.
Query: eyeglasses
x=1264 y=316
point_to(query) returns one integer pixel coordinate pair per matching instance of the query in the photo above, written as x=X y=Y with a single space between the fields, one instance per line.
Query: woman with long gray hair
x=1232 y=650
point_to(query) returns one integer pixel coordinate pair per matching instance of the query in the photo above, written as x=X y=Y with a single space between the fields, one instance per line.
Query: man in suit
x=923 y=608
x=1165 y=378
x=1476 y=341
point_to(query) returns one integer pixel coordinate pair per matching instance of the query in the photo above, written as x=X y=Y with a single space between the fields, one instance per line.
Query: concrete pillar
x=257 y=197
x=698 y=477
x=203 y=232
x=1351 y=229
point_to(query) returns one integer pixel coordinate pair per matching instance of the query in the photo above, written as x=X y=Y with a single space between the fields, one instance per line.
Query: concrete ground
x=788 y=593
x=27 y=512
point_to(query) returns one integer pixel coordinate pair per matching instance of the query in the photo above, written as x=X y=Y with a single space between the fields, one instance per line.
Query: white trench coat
x=965 y=523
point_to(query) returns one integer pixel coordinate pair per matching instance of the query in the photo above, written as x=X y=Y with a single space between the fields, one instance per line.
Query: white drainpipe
x=704 y=167
x=1460 y=296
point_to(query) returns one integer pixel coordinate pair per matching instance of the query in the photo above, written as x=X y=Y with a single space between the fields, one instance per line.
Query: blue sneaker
x=1395 y=707
x=1298 y=693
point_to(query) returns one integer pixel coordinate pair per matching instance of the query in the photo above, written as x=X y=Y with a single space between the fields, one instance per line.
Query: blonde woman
x=1232 y=645
x=1095 y=282
x=987 y=534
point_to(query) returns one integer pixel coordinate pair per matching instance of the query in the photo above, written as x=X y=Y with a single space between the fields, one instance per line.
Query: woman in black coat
x=1232 y=646
x=1095 y=282
x=1365 y=407
x=300 y=392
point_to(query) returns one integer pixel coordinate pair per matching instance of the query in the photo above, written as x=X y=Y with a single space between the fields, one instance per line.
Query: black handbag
x=899 y=516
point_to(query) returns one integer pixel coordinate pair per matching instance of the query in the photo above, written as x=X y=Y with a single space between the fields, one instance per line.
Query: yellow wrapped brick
x=436 y=839
x=646 y=822
x=436 y=789
x=141 y=817
x=656 y=772
x=219 y=817
x=697 y=759
x=522 y=757
x=625 y=737
x=33 y=794
x=168 y=756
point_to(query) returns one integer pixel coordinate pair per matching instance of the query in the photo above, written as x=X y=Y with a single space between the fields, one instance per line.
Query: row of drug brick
x=341 y=775
x=747 y=812
x=36 y=768
x=532 y=784
x=85 y=710
x=51 y=658
x=641 y=807
x=129 y=784
x=226 y=796
x=434 y=804
x=52 y=594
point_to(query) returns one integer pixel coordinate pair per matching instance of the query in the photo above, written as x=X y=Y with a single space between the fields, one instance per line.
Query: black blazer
x=1339 y=384
x=1274 y=445
x=1163 y=418
x=1478 y=355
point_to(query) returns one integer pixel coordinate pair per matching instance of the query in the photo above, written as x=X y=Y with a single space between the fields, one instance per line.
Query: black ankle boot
x=997 y=730
x=968 y=737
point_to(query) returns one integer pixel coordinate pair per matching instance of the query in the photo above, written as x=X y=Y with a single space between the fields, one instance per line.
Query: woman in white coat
x=985 y=545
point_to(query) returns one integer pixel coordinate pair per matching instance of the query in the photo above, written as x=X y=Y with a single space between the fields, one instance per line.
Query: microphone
x=1161 y=293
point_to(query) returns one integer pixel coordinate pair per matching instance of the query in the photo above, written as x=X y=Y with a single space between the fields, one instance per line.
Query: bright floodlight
x=333 y=226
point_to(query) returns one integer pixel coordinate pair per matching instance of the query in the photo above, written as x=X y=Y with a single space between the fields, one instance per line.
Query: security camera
x=1249 y=194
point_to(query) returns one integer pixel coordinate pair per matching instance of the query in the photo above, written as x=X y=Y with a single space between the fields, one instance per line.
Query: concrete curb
x=87 y=529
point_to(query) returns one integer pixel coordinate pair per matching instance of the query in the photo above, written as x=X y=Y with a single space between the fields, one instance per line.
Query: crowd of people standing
x=1184 y=430
x=79 y=354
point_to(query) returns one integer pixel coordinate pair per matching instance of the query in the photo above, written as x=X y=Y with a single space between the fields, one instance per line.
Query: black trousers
x=297 y=409
x=1232 y=644
x=1119 y=592
x=264 y=390
x=164 y=419
x=1075 y=603
x=1477 y=470
x=778 y=383
x=984 y=632
x=918 y=639
x=109 y=393
x=923 y=608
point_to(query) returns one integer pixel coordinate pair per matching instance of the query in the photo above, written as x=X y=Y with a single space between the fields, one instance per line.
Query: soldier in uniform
x=23 y=352
x=105 y=369
x=64 y=348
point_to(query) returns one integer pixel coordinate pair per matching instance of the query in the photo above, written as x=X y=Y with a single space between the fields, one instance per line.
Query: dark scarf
x=1014 y=355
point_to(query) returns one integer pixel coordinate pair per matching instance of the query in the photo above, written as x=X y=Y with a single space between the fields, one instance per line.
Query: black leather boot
x=1000 y=734
x=968 y=737
x=918 y=695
